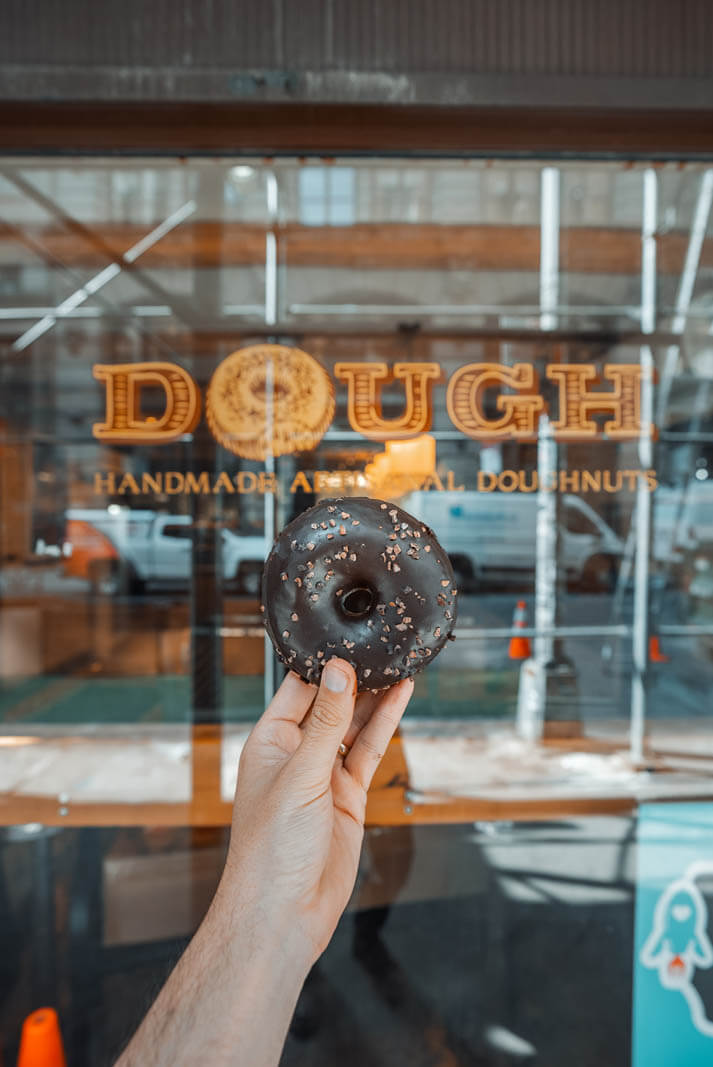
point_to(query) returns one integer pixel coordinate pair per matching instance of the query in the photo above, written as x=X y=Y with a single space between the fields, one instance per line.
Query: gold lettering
x=300 y=482
x=223 y=482
x=364 y=409
x=266 y=482
x=151 y=483
x=569 y=481
x=632 y=478
x=483 y=486
x=577 y=402
x=173 y=482
x=432 y=481
x=651 y=480
x=450 y=478
x=201 y=484
x=534 y=480
x=465 y=402
x=508 y=481
x=124 y=423
x=322 y=481
x=247 y=482
x=591 y=481
x=105 y=483
x=128 y=484
x=610 y=487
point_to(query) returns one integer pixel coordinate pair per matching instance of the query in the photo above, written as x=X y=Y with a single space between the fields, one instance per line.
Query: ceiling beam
x=364 y=246
x=241 y=129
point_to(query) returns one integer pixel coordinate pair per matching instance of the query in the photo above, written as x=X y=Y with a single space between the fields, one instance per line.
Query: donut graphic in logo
x=679 y=945
x=269 y=400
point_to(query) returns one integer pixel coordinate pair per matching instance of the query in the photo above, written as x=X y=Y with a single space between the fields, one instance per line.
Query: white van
x=683 y=519
x=492 y=535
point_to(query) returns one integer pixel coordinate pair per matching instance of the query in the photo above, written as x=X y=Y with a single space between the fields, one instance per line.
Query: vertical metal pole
x=640 y=627
x=533 y=683
x=272 y=196
x=271 y=307
x=269 y=530
x=549 y=246
x=545 y=544
x=206 y=588
x=547 y=524
x=547 y=529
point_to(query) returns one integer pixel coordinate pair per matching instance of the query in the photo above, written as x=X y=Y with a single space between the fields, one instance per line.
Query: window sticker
x=673 y=964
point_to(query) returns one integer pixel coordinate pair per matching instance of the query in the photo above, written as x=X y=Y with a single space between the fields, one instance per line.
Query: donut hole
x=357 y=602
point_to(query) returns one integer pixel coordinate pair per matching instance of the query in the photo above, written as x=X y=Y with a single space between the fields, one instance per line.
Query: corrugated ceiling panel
x=171 y=43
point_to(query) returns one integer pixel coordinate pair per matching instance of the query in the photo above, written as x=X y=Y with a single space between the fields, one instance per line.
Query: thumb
x=329 y=719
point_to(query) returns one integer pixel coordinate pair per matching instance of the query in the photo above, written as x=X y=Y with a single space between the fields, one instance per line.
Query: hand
x=298 y=818
x=298 y=823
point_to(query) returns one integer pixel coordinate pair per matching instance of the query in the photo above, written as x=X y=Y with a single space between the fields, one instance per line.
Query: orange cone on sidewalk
x=41 y=1041
x=519 y=647
x=655 y=653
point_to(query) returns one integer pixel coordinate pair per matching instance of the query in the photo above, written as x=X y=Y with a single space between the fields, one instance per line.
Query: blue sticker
x=673 y=953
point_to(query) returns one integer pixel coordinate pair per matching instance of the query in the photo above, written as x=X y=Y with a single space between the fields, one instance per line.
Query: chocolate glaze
x=363 y=580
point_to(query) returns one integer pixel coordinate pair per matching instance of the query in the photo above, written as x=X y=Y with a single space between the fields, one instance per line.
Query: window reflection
x=366 y=261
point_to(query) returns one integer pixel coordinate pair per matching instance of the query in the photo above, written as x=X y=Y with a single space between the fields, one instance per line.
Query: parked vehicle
x=118 y=549
x=683 y=519
x=492 y=535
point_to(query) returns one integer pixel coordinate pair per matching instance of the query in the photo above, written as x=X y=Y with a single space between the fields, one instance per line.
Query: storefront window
x=564 y=310
x=446 y=263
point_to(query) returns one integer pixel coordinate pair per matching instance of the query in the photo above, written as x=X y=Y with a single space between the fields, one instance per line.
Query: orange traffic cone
x=519 y=647
x=655 y=653
x=41 y=1041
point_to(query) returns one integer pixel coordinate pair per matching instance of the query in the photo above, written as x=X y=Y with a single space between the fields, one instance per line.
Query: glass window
x=517 y=352
x=522 y=266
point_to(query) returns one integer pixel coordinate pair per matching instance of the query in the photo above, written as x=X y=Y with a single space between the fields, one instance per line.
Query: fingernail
x=334 y=678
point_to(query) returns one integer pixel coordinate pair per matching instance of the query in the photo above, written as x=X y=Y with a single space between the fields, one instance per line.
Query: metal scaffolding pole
x=532 y=690
x=640 y=625
x=271 y=308
x=547 y=694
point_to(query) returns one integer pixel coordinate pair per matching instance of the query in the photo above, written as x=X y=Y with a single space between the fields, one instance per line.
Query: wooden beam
x=388 y=806
x=364 y=246
x=302 y=129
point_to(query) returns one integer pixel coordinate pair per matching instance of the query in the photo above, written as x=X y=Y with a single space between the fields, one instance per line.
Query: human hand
x=298 y=818
x=298 y=822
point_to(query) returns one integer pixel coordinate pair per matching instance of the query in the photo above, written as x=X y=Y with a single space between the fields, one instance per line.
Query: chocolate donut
x=363 y=580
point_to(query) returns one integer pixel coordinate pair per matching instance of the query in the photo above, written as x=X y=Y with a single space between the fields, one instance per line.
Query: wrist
x=261 y=933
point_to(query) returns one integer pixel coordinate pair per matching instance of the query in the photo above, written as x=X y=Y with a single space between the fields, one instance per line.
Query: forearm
x=229 y=1000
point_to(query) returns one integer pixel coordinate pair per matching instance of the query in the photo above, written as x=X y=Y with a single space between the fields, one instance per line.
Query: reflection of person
x=298 y=823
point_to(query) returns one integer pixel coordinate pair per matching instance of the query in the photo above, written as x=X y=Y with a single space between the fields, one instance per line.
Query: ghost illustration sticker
x=678 y=943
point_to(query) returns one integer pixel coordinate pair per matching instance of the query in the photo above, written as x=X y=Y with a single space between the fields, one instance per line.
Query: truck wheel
x=106 y=577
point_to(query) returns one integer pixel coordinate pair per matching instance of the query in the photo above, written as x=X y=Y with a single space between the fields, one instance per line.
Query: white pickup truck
x=119 y=549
